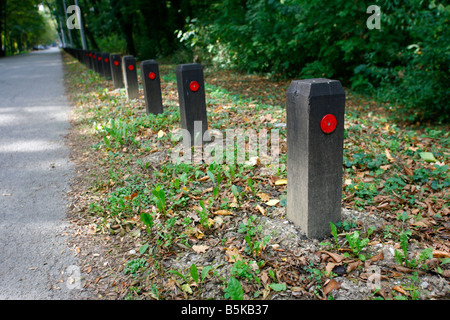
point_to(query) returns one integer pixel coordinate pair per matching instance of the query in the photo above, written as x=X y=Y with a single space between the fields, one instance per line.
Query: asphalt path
x=35 y=261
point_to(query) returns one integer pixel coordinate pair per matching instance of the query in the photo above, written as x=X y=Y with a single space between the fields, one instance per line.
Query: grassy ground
x=150 y=229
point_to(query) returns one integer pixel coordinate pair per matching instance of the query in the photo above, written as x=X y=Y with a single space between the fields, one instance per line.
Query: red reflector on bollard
x=131 y=67
x=116 y=63
x=328 y=123
x=194 y=86
x=99 y=58
x=152 y=75
x=106 y=60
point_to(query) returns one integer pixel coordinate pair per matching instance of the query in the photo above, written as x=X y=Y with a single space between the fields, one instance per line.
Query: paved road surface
x=34 y=173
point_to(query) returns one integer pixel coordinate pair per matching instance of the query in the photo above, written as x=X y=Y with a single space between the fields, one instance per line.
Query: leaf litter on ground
x=396 y=181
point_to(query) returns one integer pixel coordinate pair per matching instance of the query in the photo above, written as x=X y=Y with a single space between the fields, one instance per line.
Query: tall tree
x=124 y=12
x=2 y=24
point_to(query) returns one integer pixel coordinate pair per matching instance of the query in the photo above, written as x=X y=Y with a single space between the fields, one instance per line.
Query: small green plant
x=193 y=276
x=242 y=269
x=237 y=194
x=118 y=131
x=334 y=233
x=167 y=233
x=251 y=230
x=316 y=275
x=275 y=286
x=147 y=220
x=134 y=265
x=253 y=186
x=254 y=245
x=204 y=214
x=357 y=244
x=234 y=290
x=160 y=199
x=401 y=256
x=216 y=180
x=144 y=166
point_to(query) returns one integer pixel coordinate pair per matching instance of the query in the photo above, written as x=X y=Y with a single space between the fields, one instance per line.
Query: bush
x=406 y=61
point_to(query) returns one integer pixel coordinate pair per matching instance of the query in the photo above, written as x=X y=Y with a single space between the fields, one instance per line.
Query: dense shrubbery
x=406 y=61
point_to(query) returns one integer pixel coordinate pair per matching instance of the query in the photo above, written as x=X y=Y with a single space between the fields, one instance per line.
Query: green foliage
x=160 y=199
x=234 y=290
x=356 y=243
x=134 y=265
x=23 y=25
x=251 y=230
x=406 y=61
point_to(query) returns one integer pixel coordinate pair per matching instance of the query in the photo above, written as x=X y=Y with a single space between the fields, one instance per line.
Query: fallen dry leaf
x=406 y=270
x=332 y=284
x=446 y=273
x=408 y=171
x=379 y=256
x=196 y=232
x=272 y=202
x=132 y=196
x=232 y=255
x=280 y=182
x=223 y=213
x=353 y=265
x=330 y=266
x=401 y=290
x=200 y=248
x=263 y=196
x=440 y=254
x=203 y=178
x=336 y=257
x=264 y=277
x=388 y=155
x=161 y=134
x=253 y=161
x=261 y=209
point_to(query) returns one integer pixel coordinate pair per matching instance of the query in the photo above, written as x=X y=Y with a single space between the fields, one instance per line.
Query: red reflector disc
x=116 y=63
x=152 y=75
x=131 y=67
x=106 y=60
x=328 y=123
x=99 y=58
x=194 y=86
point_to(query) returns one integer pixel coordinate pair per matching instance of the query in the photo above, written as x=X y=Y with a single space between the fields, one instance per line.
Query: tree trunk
x=126 y=24
x=2 y=7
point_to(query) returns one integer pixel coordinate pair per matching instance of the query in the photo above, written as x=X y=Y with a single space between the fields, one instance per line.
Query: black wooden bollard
x=130 y=76
x=94 y=61
x=116 y=70
x=191 y=96
x=86 y=59
x=315 y=135
x=100 y=64
x=91 y=64
x=106 y=65
x=152 y=86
